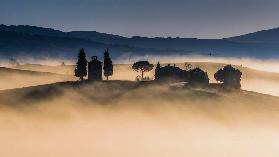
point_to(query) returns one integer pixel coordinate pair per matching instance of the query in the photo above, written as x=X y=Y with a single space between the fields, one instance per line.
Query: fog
x=258 y=75
x=120 y=120
x=13 y=78
x=123 y=118
x=269 y=65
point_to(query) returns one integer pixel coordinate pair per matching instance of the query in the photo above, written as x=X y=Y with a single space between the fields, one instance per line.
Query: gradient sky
x=183 y=18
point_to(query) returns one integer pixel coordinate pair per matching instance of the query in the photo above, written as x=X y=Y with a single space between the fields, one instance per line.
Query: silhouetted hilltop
x=265 y=36
x=32 y=30
x=35 y=41
x=97 y=36
x=15 y=44
x=101 y=91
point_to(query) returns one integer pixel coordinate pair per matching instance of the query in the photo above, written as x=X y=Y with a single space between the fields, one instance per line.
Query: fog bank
x=124 y=119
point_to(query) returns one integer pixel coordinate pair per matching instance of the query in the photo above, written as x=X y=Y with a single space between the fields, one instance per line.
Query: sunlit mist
x=125 y=118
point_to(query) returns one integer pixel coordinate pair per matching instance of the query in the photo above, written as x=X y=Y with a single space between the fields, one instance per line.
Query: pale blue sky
x=184 y=18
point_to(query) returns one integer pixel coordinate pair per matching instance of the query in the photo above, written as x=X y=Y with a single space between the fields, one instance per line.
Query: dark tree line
x=194 y=76
x=198 y=77
x=228 y=75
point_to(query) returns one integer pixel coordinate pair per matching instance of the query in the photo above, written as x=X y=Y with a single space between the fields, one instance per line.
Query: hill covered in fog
x=31 y=41
x=16 y=78
x=141 y=94
x=252 y=79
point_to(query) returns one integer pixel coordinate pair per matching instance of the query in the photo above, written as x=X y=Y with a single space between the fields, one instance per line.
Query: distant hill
x=16 y=44
x=265 y=36
x=32 y=41
x=15 y=78
x=25 y=72
x=32 y=30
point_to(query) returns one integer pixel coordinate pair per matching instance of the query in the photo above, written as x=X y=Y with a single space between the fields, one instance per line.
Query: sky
x=174 y=18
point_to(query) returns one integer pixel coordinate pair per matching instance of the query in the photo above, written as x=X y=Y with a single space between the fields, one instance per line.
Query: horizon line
x=165 y=37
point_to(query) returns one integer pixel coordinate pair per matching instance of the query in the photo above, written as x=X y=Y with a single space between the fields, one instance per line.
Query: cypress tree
x=81 y=65
x=108 y=66
x=157 y=71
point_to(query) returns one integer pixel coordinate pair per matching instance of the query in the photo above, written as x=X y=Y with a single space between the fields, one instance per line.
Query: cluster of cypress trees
x=81 y=65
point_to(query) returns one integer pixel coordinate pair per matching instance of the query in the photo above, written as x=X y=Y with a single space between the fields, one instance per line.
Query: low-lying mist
x=258 y=75
x=124 y=118
x=12 y=78
x=129 y=119
x=268 y=65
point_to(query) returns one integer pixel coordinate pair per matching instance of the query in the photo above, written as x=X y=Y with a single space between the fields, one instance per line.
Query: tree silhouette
x=81 y=65
x=157 y=70
x=142 y=66
x=230 y=76
x=188 y=66
x=108 y=66
x=198 y=77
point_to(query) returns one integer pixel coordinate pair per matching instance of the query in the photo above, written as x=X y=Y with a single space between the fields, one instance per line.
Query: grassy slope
x=120 y=88
x=14 y=78
x=123 y=95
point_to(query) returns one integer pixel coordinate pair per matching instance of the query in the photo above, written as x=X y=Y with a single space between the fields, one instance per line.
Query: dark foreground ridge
x=109 y=92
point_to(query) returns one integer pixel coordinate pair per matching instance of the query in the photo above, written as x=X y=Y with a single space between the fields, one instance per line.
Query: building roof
x=95 y=60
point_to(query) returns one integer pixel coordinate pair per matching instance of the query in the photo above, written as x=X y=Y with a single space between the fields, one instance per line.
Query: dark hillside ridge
x=32 y=41
x=15 y=44
x=49 y=92
x=34 y=30
x=265 y=36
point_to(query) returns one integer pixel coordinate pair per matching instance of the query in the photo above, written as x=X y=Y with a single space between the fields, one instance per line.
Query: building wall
x=95 y=70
